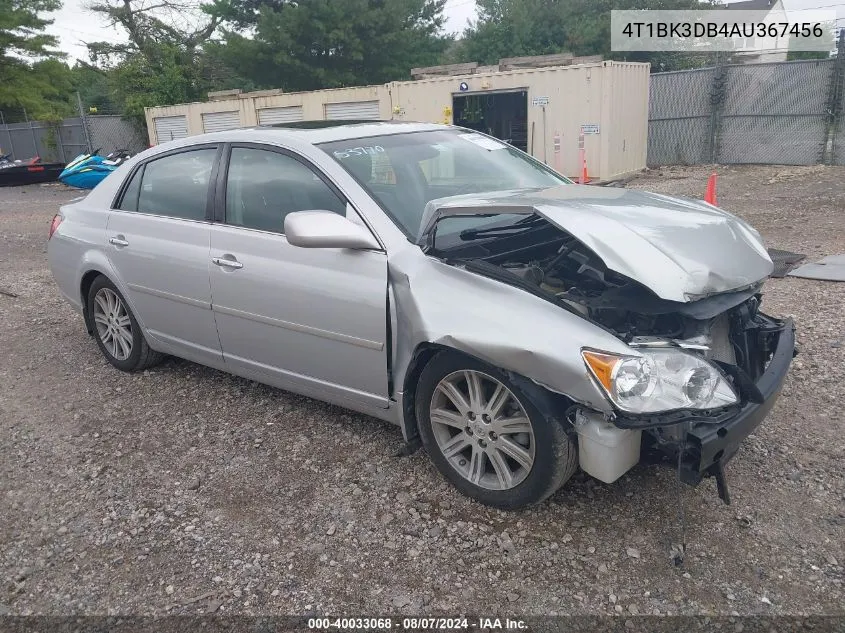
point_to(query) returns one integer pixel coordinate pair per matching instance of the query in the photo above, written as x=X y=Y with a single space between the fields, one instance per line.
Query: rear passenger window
x=262 y=187
x=129 y=202
x=175 y=185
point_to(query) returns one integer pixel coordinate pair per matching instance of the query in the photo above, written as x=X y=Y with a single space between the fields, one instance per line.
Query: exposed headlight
x=660 y=380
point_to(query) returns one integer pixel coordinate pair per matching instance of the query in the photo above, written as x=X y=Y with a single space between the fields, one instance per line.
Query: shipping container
x=553 y=113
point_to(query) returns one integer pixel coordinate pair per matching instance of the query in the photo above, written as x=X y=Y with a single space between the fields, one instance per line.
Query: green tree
x=311 y=44
x=163 y=61
x=95 y=88
x=512 y=28
x=32 y=79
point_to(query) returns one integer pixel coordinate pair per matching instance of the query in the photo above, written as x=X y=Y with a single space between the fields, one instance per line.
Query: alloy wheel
x=482 y=430
x=114 y=327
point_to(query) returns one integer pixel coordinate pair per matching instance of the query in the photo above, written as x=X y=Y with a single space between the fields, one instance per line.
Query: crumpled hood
x=681 y=249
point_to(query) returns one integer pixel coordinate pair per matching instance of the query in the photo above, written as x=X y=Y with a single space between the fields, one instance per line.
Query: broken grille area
x=721 y=348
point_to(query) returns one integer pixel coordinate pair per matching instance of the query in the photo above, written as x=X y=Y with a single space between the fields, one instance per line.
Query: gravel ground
x=184 y=490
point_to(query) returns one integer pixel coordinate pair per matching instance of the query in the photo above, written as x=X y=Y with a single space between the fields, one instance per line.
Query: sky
x=74 y=25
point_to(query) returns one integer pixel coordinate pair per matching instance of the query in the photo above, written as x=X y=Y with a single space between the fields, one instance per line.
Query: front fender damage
x=490 y=321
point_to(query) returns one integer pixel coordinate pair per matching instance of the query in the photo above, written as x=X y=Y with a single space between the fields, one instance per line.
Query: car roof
x=315 y=132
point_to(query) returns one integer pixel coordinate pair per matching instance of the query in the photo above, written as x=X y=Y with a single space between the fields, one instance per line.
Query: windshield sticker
x=483 y=141
x=369 y=150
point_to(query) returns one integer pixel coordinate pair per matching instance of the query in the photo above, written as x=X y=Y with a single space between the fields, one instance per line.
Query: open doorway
x=500 y=114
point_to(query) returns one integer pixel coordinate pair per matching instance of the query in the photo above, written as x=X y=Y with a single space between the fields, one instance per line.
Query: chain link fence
x=63 y=141
x=111 y=132
x=680 y=117
x=773 y=113
x=836 y=147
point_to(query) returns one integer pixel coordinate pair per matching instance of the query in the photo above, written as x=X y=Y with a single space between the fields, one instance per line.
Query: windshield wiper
x=523 y=224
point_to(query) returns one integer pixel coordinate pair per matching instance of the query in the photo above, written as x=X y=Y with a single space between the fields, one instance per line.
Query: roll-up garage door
x=221 y=121
x=271 y=116
x=352 y=110
x=169 y=128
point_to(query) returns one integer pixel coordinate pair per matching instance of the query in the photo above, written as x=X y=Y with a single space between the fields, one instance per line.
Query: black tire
x=555 y=453
x=141 y=356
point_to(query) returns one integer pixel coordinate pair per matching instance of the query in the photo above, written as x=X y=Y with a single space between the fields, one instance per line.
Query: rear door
x=158 y=242
x=312 y=320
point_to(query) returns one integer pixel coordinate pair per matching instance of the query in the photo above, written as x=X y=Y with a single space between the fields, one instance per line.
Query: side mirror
x=325 y=229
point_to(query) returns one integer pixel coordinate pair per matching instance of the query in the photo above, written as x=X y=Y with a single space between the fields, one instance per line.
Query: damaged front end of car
x=677 y=282
x=743 y=352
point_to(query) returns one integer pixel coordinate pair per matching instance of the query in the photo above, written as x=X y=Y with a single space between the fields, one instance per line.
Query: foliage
x=154 y=27
x=32 y=80
x=167 y=77
x=798 y=55
x=163 y=61
x=94 y=87
x=309 y=44
x=512 y=28
x=178 y=50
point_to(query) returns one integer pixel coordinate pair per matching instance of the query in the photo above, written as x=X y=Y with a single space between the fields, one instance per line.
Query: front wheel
x=486 y=435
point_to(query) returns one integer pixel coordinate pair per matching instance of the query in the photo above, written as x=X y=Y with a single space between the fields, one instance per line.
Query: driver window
x=262 y=187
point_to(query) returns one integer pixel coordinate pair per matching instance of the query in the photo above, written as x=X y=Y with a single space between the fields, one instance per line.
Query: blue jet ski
x=86 y=171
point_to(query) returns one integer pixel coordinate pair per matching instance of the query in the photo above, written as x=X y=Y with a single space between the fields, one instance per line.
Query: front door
x=158 y=242
x=311 y=320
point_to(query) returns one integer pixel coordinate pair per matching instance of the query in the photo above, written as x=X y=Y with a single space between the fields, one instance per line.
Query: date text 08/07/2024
x=415 y=624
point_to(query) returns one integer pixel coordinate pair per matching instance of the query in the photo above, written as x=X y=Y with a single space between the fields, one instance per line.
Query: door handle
x=227 y=263
x=118 y=240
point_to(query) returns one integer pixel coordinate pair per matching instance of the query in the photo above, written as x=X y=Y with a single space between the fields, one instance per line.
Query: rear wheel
x=487 y=436
x=117 y=332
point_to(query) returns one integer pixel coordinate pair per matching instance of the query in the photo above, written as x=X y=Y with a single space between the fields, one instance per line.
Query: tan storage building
x=544 y=111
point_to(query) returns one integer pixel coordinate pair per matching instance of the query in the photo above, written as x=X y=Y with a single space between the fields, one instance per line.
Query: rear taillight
x=57 y=219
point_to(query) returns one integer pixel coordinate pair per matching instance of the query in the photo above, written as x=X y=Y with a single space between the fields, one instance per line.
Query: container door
x=169 y=128
x=273 y=116
x=352 y=110
x=221 y=121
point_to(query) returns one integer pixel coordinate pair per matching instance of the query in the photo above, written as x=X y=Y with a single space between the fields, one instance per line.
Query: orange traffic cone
x=583 y=178
x=710 y=194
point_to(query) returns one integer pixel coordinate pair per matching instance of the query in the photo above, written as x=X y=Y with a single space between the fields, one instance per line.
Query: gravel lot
x=184 y=490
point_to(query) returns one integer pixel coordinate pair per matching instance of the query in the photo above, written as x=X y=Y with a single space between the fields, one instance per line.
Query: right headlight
x=660 y=380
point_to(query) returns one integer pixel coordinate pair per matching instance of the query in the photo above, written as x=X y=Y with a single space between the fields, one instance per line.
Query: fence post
x=11 y=151
x=58 y=130
x=717 y=102
x=834 y=102
x=84 y=122
x=32 y=132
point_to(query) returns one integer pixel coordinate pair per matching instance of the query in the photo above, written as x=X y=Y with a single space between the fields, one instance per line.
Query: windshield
x=406 y=171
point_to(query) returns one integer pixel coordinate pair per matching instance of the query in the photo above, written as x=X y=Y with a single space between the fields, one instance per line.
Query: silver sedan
x=514 y=324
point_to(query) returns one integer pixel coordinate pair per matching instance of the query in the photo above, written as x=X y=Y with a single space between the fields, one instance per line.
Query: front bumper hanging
x=709 y=447
x=708 y=442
